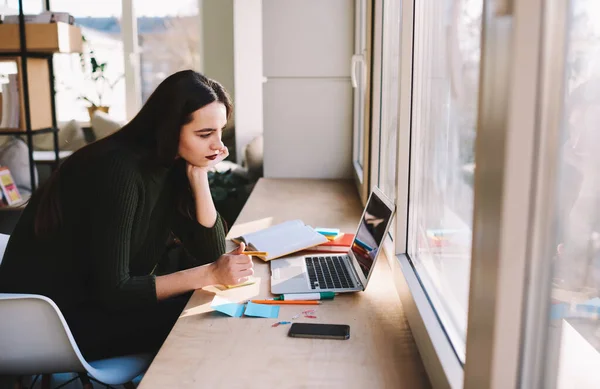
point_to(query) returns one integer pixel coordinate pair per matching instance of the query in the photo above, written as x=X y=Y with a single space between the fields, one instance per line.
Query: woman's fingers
x=238 y=250
x=245 y=273
x=243 y=259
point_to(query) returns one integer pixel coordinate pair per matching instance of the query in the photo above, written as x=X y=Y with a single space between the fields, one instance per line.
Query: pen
x=306 y=296
x=292 y=302
x=256 y=253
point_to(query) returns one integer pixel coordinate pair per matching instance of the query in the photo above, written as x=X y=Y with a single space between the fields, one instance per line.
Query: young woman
x=126 y=228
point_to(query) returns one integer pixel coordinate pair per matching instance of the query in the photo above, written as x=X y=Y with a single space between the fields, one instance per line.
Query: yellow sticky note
x=224 y=287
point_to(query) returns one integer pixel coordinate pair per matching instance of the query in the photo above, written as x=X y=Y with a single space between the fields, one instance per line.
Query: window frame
x=443 y=367
x=364 y=58
x=511 y=36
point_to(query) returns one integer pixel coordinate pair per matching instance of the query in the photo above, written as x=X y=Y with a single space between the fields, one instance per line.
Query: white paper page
x=284 y=239
x=276 y=229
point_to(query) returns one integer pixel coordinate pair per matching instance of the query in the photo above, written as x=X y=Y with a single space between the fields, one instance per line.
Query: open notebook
x=282 y=239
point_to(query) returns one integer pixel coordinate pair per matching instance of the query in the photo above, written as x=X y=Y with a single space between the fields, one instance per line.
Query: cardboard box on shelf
x=43 y=38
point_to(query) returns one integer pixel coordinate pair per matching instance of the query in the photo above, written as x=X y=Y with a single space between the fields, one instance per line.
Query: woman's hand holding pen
x=232 y=268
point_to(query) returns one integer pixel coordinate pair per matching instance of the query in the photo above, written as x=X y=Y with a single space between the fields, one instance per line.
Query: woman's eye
x=205 y=136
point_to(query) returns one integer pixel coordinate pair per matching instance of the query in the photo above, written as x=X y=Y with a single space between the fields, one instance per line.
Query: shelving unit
x=29 y=57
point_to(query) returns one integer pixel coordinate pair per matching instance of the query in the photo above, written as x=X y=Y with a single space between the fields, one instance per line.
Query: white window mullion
x=550 y=358
x=505 y=151
x=376 y=84
x=404 y=119
x=131 y=56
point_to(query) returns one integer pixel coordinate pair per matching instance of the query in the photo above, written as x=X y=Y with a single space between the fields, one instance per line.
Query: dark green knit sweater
x=118 y=218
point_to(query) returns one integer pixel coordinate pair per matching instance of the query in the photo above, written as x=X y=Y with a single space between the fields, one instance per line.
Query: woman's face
x=200 y=140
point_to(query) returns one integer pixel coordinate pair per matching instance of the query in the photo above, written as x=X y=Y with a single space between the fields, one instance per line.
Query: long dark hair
x=155 y=129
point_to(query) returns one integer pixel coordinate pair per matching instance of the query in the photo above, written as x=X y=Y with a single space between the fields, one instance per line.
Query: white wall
x=248 y=72
x=307 y=48
x=307 y=135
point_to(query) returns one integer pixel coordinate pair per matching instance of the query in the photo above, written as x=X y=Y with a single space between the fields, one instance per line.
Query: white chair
x=35 y=339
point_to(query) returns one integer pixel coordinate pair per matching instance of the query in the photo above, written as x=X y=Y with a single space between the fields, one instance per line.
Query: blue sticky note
x=328 y=231
x=227 y=307
x=262 y=310
x=558 y=311
x=591 y=306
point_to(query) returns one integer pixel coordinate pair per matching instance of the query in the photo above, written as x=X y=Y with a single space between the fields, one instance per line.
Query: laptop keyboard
x=327 y=273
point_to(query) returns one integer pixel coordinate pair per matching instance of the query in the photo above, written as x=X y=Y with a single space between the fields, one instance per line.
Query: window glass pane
x=78 y=86
x=390 y=90
x=169 y=39
x=574 y=338
x=445 y=91
x=30 y=7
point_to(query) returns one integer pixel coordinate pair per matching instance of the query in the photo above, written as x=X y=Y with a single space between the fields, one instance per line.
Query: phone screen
x=317 y=330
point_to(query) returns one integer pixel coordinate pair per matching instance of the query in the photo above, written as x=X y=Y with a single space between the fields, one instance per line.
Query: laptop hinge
x=357 y=281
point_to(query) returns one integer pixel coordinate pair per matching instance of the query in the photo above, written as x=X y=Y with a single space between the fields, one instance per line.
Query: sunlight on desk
x=200 y=302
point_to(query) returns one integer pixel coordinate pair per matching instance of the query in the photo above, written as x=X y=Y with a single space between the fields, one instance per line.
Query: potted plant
x=95 y=72
x=229 y=192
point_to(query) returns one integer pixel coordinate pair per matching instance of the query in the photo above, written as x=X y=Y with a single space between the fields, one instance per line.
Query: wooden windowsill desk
x=209 y=350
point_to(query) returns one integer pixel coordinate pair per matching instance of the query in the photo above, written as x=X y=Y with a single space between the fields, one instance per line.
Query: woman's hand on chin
x=203 y=167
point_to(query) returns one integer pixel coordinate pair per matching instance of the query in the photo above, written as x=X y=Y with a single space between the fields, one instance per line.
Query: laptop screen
x=371 y=232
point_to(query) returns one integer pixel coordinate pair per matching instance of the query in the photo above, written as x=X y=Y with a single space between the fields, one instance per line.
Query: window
x=169 y=40
x=517 y=220
x=572 y=355
x=444 y=108
x=75 y=90
x=29 y=6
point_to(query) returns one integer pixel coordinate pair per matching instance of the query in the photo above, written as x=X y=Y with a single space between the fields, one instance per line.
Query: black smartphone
x=317 y=330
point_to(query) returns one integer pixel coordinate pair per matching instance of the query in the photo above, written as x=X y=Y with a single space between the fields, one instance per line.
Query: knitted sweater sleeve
x=202 y=244
x=116 y=196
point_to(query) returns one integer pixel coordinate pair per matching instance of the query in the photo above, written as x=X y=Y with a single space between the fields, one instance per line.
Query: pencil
x=287 y=302
x=256 y=253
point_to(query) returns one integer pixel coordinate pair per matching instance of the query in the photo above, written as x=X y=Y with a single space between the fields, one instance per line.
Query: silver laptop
x=338 y=272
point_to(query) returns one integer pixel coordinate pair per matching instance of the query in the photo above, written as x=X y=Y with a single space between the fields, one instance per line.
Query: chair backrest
x=34 y=337
x=3 y=243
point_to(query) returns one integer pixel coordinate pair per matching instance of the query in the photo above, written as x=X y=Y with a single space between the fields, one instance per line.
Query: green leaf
x=95 y=65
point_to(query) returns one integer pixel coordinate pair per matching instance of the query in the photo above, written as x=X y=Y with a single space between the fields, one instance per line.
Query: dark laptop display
x=370 y=233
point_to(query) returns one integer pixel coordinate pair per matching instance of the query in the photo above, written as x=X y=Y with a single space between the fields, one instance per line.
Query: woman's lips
x=212 y=157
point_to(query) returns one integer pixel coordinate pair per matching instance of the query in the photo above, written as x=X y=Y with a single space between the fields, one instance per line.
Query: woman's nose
x=217 y=145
